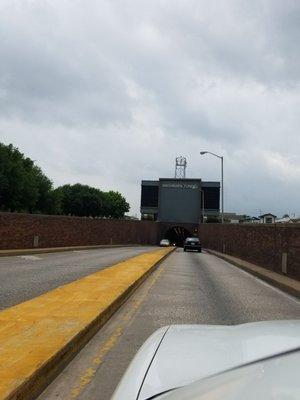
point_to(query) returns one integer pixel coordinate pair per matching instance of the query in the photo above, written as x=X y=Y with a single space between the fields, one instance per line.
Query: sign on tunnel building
x=179 y=200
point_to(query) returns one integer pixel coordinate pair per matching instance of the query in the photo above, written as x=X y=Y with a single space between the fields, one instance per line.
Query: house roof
x=267 y=215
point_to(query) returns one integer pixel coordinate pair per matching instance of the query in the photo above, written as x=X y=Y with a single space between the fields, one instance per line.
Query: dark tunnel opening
x=177 y=235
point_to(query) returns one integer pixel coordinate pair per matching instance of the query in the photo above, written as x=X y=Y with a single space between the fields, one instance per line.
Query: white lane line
x=259 y=280
x=32 y=258
x=288 y=296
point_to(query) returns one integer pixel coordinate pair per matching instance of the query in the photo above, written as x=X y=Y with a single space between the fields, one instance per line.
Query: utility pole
x=222 y=180
x=202 y=203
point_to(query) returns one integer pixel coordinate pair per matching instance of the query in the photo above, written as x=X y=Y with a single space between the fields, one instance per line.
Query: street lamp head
x=203 y=152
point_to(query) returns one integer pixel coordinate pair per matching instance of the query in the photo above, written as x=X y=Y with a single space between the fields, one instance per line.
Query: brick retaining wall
x=261 y=244
x=264 y=245
x=19 y=231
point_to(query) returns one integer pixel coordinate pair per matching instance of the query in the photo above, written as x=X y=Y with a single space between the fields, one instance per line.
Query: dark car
x=192 y=243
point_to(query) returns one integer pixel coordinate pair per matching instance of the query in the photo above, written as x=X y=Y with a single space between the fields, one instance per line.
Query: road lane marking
x=108 y=345
x=284 y=294
x=259 y=280
x=31 y=258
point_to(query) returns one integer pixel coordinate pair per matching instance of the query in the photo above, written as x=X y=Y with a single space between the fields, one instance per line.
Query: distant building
x=284 y=220
x=250 y=220
x=233 y=218
x=267 y=218
x=287 y=220
x=180 y=200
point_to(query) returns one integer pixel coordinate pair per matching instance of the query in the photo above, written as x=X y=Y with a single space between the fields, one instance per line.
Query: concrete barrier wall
x=275 y=247
x=23 y=231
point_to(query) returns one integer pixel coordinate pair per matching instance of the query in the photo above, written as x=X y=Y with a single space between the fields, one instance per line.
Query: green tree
x=115 y=205
x=23 y=186
x=81 y=200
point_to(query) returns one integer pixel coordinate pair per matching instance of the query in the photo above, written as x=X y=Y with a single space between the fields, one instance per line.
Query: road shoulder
x=284 y=283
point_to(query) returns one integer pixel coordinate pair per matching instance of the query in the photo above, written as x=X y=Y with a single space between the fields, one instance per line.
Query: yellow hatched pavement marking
x=33 y=332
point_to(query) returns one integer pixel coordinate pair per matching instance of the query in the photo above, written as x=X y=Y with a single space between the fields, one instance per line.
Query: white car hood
x=181 y=354
x=273 y=378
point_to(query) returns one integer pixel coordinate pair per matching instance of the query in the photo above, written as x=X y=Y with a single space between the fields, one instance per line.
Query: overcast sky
x=108 y=93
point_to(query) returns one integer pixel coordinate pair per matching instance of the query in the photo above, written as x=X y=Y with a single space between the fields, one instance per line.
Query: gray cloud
x=110 y=92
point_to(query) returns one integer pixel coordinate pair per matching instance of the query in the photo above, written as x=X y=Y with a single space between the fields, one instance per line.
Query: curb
x=41 y=377
x=282 y=282
x=20 y=252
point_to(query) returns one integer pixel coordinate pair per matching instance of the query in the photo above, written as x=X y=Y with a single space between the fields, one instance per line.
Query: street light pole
x=222 y=183
x=222 y=180
x=202 y=203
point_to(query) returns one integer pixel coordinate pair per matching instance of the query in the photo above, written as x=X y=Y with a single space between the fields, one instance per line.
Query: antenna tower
x=180 y=167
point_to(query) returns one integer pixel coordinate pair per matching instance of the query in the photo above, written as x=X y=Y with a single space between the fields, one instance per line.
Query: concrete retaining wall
x=275 y=247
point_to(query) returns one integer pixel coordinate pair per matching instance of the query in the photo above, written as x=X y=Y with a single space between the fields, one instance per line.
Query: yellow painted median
x=39 y=336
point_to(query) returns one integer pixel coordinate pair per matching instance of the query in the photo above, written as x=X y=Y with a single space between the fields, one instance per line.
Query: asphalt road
x=188 y=288
x=25 y=277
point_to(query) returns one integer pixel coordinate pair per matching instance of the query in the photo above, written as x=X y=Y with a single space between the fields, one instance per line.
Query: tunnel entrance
x=177 y=235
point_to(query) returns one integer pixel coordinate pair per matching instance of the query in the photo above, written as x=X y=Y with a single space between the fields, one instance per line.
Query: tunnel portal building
x=180 y=201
